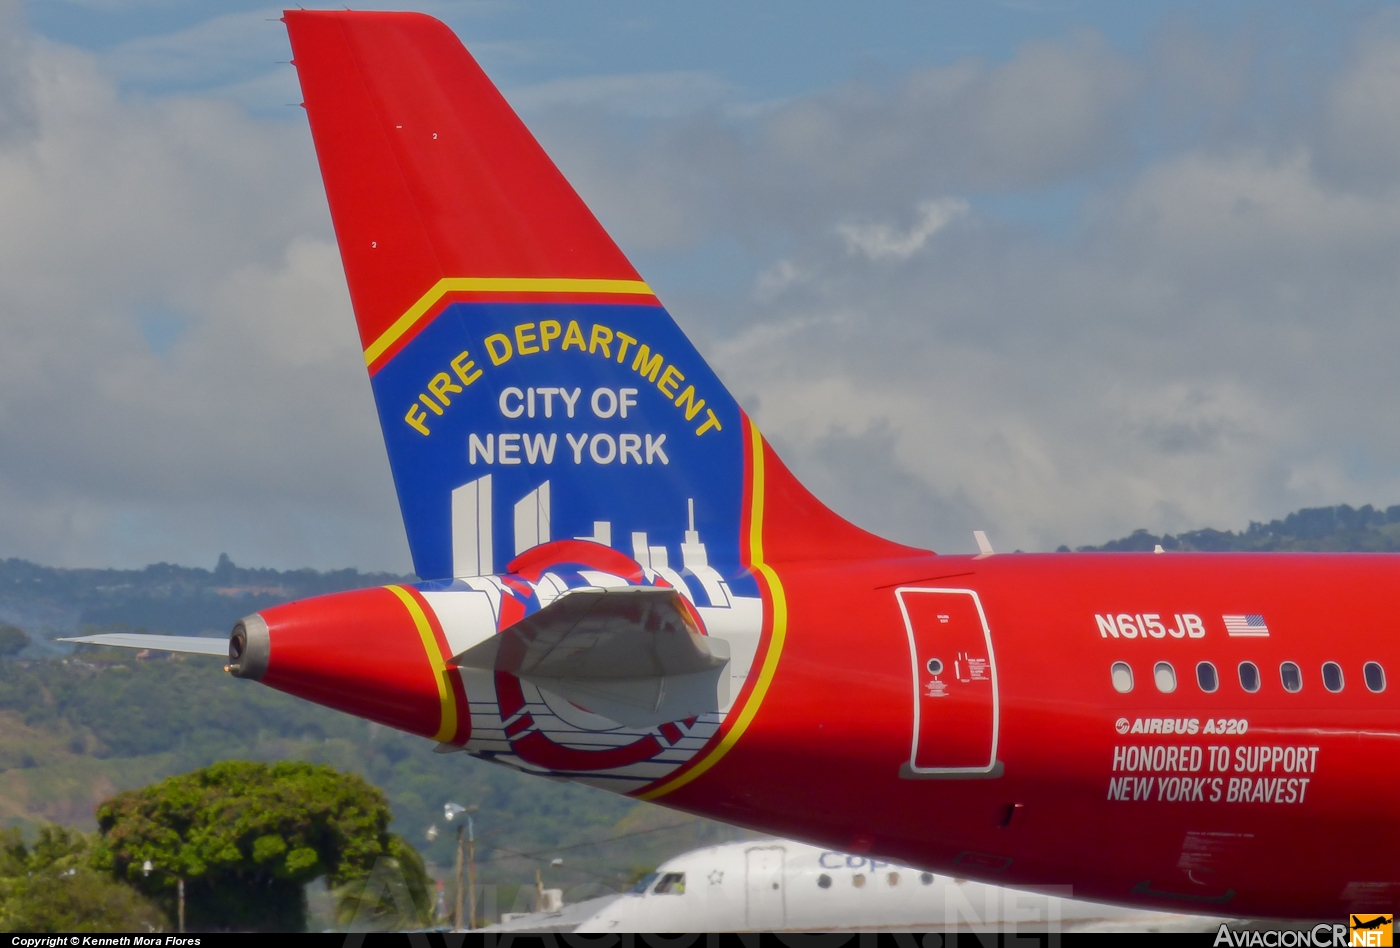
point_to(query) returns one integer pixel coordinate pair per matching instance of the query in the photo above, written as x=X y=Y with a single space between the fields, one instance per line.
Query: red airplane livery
x=625 y=587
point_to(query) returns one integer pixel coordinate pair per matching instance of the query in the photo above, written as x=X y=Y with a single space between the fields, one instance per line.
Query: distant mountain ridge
x=1341 y=529
x=192 y=600
x=161 y=597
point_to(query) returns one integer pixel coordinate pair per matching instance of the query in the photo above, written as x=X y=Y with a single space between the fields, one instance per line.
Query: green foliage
x=397 y=894
x=246 y=837
x=1326 y=529
x=107 y=718
x=52 y=887
x=12 y=639
x=132 y=708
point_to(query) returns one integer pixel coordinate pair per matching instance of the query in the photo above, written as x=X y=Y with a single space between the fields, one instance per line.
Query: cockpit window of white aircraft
x=1375 y=677
x=672 y=883
x=645 y=882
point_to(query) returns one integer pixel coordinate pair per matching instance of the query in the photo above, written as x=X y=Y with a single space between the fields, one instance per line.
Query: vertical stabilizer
x=509 y=342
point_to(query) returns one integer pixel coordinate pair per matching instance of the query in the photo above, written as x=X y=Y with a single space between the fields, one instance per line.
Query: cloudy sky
x=1055 y=270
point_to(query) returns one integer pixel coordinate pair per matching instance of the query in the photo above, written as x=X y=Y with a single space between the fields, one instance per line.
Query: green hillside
x=180 y=599
x=75 y=731
x=1326 y=529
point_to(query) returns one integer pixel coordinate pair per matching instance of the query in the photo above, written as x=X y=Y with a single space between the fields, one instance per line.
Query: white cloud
x=778 y=278
x=1056 y=109
x=255 y=421
x=1252 y=209
x=1360 y=133
x=888 y=242
x=207 y=54
x=16 y=102
x=1173 y=369
x=1211 y=344
x=639 y=95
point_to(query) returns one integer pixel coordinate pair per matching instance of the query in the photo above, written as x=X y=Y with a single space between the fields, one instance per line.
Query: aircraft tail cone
x=248 y=648
x=376 y=653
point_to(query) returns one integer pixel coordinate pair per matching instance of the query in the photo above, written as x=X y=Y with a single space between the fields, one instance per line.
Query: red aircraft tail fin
x=429 y=172
x=530 y=385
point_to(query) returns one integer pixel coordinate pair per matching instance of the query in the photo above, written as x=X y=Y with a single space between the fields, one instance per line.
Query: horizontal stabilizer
x=636 y=655
x=190 y=644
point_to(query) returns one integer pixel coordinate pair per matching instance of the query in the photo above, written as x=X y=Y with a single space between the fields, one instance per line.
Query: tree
x=52 y=887
x=12 y=638
x=396 y=895
x=246 y=838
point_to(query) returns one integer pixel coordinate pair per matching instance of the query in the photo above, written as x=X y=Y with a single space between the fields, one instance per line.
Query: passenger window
x=1165 y=677
x=1332 y=677
x=1375 y=677
x=1206 y=677
x=1122 y=678
x=824 y=881
x=672 y=883
x=927 y=877
x=1292 y=678
x=1249 y=676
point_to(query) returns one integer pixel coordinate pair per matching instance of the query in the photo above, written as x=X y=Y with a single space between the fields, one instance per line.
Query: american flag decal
x=1250 y=624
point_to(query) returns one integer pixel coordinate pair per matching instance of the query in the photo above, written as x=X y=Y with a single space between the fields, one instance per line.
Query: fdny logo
x=524 y=725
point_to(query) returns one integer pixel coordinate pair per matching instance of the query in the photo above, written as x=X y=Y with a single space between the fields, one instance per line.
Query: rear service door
x=954 y=682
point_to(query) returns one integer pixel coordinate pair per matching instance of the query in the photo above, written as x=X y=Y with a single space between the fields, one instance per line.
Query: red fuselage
x=1028 y=763
x=1294 y=817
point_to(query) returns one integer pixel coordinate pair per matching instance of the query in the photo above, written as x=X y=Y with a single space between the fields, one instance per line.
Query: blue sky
x=769 y=50
x=1052 y=270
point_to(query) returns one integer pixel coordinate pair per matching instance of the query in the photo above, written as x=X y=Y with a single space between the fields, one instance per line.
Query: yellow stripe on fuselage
x=448 y=727
x=775 y=640
x=495 y=285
